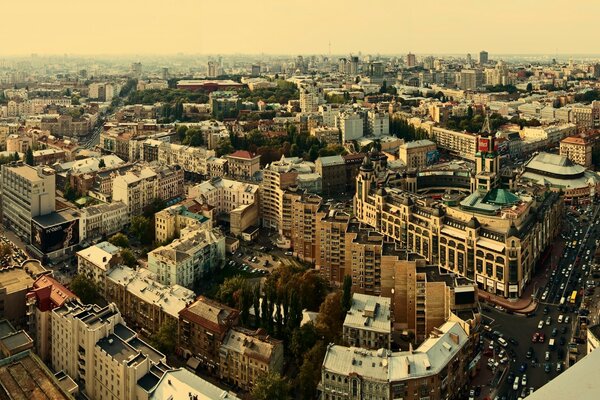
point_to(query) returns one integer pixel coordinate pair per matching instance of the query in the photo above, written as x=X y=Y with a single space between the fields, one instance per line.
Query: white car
x=560 y=319
x=524 y=380
x=516 y=383
x=541 y=324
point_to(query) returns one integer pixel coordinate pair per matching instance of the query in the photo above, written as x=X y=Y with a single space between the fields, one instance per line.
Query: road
x=571 y=273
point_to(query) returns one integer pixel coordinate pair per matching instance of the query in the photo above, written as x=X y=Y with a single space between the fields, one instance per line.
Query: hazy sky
x=298 y=27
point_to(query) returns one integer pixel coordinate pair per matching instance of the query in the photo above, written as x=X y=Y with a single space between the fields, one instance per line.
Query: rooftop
x=99 y=254
x=250 y=344
x=369 y=313
x=210 y=314
x=243 y=154
x=417 y=143
x=180 y=384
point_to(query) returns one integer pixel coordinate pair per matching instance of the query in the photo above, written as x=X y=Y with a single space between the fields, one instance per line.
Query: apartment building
x=190 y=159
x=577 y=149
x=277 y=177
x=92 y=344
x=330 y=242
x=103 y=220
x=463 y=145
x=15 y=282
x=311 y=95
x=418 y=153
x=368 y=323
x=245 y=355
x=437 y=369
x=45 y=295
x=333 y=173
x=303 y=223
x=27 y=192
x=174 y=382
x=169 y=222
x=203 y=326
x=239 y=201
x=146 y=304
x=96 y=261
x=327 y=134
x=243 y=165
x=351 y=125
x=378 y=123
x=139 y=187
x=195 y=253
x=586 y=116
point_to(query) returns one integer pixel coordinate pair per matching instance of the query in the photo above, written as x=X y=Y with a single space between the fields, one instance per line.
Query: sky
x=89 y=27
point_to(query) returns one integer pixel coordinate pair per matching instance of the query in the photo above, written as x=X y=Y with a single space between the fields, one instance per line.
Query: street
x=558 y=299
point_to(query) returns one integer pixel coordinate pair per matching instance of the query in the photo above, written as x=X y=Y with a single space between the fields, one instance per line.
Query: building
x=190 y=159
x=593 y=338
x=577 y=149
x=470 y=79
x=487 y=236
x=243 y=165
x=147 y=304
x=209 y=85
x=15 y=282
x=418 y=153
x=177 y=382
x=459 y=144
x=203 y=326
x=560 y=174
x=96 y=261
x=277 y=177
x=25 y=376
x=333 y=174
x=27 y=192
x=224 y=104
x=169 y=222
x=45 y=295
x=326 y=134
x=194 y=254
x=304 y=208
x=368 y=323
x=55 y=235
x=330 y=241
x=351 y=125
x=103 y=220
x=483 y=57
x=18 y=143
x=92 y=344
x=437 y=369
x=411 y=60
x=245 y=355
x=232 y=201
x=311 y=96
x=139 y=187
x=378 y=123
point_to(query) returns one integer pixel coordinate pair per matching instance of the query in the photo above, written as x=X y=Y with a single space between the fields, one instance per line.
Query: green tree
x=70 y=193
x=347 y=293
x=383 y=88
x=331 y=317
x=29 y=157
x=16 y=156
x=310 y=371
x=256 y=304
x=302 y=339
x=271 y=386
x=529 y=87
x=141 y=228
x=85 y=289
x=245 y=301
x=165 y=339
x=181 y=131
x=230 y=289
x=120 y=240
x=128 y=258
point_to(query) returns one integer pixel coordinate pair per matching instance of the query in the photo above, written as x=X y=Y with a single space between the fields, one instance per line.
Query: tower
x=488 y=162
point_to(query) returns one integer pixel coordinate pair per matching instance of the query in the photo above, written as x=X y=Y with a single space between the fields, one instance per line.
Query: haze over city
x=298 y=27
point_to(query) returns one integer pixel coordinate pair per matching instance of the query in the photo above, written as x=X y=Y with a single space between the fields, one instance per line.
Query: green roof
x=500 y=197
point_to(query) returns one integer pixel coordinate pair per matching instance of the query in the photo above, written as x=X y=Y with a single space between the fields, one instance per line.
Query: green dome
x=500 y=197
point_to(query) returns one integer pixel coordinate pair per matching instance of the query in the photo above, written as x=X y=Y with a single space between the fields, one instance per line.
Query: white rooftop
x=99 y=254
x=182 y=384
x=369 y=313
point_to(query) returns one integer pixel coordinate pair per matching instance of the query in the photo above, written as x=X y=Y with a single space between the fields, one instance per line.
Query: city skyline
x=146 y=27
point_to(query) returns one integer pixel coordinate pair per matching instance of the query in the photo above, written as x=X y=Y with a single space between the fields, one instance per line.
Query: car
x=563 y=329
x=288 y=253
x=523 y=392
x=548 y=320
x=558 y=366
x=471 y=394
x=516 y=383
x=531 y=390
x=529 y=353
x=542 y=338
x=567 y=319
x=554 y=332
x=497 y=334
x=547 y=367
x=511 y=376
x=546 y=310
x=524 y=380
x=547 y=356
x=535 y=338
x=541 y=324
x=560 y=318
x=522 y=367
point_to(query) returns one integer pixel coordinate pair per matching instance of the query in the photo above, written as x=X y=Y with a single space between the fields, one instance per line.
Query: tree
x=85 y=289
x=383 y=88
x=101 y=164
x=302 y=339
x=310 y=371
x=141 y=229
x=5 y=250
x=181 y=131
x=69 y=192
x=165 y=339
x=119 y=240
x=347 y=293
x=230 y=289
x=128 y=258
x=29 y=157
x=529 y=87
x=271 y=386
x=16 y=156
x=331 y=317
x=245 y=301
x=256 y=304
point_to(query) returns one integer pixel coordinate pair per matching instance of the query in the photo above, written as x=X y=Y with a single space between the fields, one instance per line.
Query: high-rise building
x=255 y=70
x=411 y=60
x=27 y=192
x=136 y=69
x=311 y=96
x=483 y=57
x=471 y=79
x=164 y=73
x=212 y=69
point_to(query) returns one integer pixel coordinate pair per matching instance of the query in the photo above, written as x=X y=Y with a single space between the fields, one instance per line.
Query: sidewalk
x=526 y=303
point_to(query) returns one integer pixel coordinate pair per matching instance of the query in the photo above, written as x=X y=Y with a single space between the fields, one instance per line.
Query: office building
x=483 y=57
x=203 y=326
x=459 y=144
x=245 y=355
x=471 y=79
x=27 y=192
x=368 y=323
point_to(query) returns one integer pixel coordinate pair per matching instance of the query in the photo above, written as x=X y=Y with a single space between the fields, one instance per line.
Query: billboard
x=432 y=157
x=48 y=239
x=484 y=144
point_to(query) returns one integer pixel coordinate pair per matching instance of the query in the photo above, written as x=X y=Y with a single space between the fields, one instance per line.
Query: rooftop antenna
x=485 y=129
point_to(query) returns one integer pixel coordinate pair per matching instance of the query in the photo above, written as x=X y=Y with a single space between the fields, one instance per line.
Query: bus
x=573 y=297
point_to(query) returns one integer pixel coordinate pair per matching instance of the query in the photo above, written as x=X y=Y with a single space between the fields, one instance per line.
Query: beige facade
x=169 y=222
x=96 y=261
x=414 y=154
x=103 y=220
x=246 y=355
x=15 y=282
x=368 y=323
x=578 y=150
x=330 y=239
x=190 y=159
x=304 y=213
x=243 y=164
x=27 y=192
x=326 y=134
x=461 y=144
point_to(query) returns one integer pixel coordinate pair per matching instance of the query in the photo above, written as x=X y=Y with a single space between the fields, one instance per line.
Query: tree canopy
x=85 y=289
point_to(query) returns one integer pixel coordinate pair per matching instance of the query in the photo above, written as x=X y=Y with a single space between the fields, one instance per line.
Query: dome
x=367 y=165
x=513 y=231
x=473 y=223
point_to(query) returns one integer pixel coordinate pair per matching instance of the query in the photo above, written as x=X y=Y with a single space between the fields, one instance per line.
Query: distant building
x=333 y=174
x=351 y=125
x=411 y=60
x=483 y=57
x=328 y=135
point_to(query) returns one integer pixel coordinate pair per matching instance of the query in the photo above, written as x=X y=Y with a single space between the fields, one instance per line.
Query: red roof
x=50 y=293
x=242 y=154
